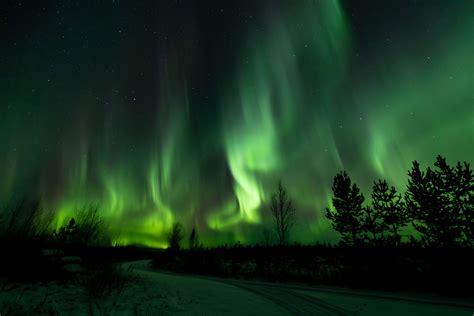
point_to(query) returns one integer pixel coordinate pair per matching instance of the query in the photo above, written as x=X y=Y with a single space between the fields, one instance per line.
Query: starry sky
x=192 y=111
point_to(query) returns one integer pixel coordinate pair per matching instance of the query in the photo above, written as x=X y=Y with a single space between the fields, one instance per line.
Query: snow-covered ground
x=156 y=293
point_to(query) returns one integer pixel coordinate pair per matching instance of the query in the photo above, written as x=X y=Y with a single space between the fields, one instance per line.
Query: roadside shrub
x=21 y=308
x=101 y=281
x=87 y=229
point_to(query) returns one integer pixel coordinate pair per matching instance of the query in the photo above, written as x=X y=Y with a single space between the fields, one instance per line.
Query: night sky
x=191 y=111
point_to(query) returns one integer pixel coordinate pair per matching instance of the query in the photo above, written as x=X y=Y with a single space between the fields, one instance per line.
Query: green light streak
x=297 y=103
x=266 y=110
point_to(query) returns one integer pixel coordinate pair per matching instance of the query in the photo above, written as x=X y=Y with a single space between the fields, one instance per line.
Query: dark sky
x=191 y=111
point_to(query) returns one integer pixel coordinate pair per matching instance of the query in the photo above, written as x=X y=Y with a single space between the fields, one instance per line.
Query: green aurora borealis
x=192 y=111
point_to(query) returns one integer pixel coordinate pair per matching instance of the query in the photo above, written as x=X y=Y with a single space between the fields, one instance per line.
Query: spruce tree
x=348 y=216
x=440 y=203
x=389 y=212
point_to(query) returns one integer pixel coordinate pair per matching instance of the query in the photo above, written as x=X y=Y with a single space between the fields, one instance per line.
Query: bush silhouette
x=20 y=223
x=103 y=280
x=67 y=234
x=87 y=230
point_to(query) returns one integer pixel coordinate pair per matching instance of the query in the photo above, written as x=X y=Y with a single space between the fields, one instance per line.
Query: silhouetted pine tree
x=349 y=215
x=193 y=240
x=371 y=226
x=440 y=202
x=388 y=212
x=176 y=236
x=463 y=196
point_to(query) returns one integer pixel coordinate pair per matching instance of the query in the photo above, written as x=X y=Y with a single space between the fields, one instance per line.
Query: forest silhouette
x=421 y=239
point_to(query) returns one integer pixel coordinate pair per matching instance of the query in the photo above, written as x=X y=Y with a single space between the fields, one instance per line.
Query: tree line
x=438 y=205
x=436 y=210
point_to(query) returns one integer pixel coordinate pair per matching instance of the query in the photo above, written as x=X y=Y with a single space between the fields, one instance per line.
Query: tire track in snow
x=294 y=302
x=289 y=296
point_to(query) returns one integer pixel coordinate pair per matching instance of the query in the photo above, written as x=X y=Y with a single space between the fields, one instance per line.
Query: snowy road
x=295 y=302
x=301 y=300
x=162 y=293
x=254 y=298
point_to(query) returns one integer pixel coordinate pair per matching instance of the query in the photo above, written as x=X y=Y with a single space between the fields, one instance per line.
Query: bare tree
x=267 y=237
x=176 y=236
x=283 y=214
